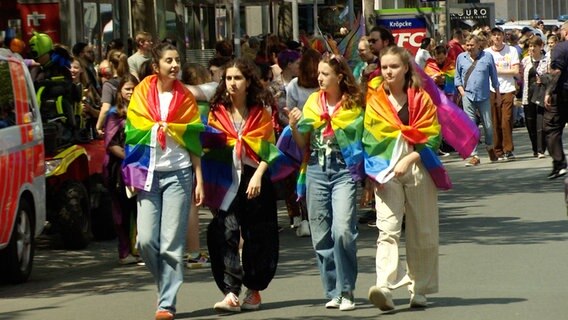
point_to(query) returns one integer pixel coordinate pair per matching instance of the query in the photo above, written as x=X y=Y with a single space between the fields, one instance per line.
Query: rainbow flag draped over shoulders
x=345 y=124
x=447 y=71
x=386 y=139
x=224 y=147
x=145 y=131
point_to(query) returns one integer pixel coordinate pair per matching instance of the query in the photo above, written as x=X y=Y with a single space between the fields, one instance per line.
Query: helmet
x=40 y=44
x=17 y=45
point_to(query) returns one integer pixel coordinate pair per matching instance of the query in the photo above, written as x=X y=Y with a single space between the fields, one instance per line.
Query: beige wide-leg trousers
x=415 y=195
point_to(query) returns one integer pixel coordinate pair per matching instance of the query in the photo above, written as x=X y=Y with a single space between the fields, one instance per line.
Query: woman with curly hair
x=237 y=170
x=329 y=128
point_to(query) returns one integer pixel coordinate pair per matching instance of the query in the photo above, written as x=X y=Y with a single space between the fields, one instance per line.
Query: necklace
x=238 y=125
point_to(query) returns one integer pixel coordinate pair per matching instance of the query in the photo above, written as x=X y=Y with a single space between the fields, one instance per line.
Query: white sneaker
x=304 y=229
x=347 y=302
x=381 y=298
x=296 y=222
x=418 y=301
x=230 y=303
x=129 y=259
x=334 y=303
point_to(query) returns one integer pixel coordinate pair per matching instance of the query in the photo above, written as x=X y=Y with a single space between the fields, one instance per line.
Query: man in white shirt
x=144 y=46
x=507 y=64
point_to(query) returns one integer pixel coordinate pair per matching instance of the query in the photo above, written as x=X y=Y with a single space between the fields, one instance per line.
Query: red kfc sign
x=407 y=32
x=40 y=17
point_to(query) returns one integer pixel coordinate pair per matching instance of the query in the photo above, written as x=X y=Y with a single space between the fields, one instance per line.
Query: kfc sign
x=41 y=17
x=407 y=32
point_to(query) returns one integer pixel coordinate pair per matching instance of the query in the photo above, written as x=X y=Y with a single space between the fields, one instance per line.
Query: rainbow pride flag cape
x=145 y=131
x=345 y=124
x=224 y=148
x=447 y=71
x=386 y=139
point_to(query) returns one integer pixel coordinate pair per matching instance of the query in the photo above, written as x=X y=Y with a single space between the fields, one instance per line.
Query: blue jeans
x=162 y=224
x=331 y=202
x=484 y=108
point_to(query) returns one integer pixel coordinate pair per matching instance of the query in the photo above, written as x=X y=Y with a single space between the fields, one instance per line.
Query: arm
x=493 y=74
x=403 y=164
x=197 y=93
x=102 y=115
x=116 y=151
x=255 y=183
x=294 y=117
x=198 y=192
x=458 y=81
x=513 y=71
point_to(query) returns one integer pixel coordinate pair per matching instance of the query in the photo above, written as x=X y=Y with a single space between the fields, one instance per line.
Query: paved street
x=503 y=256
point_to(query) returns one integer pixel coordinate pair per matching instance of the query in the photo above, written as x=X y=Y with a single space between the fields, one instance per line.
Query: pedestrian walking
x=239 y=189
x=330 y=130
x=162 y=148
x=555 y=100
x=474 y=69
x=401 y=137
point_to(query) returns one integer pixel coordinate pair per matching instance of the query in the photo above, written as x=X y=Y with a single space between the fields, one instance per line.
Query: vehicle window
x=7 y=105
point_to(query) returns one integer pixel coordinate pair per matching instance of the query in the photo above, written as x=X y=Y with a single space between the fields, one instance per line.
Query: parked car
x=22 y=170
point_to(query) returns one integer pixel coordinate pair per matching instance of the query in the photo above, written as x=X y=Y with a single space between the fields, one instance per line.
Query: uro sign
x=407 y=32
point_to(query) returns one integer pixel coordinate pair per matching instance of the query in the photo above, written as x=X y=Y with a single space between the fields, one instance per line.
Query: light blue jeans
x=484 y=108
x=162 y=224
x=331 y=202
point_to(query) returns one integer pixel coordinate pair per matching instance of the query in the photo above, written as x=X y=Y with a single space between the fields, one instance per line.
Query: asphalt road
x=503 y=256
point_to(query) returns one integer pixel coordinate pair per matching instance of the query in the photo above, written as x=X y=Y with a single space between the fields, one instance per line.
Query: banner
x=471 y=17
x=40 y=17
x=408 y=32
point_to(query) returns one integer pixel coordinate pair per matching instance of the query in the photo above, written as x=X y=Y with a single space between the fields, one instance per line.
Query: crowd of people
x=302 y=118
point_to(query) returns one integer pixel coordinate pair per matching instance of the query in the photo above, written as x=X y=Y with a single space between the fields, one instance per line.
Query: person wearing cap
x=507 y=64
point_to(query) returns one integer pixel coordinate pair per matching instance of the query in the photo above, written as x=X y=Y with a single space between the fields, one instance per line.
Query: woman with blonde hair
x=401 y=137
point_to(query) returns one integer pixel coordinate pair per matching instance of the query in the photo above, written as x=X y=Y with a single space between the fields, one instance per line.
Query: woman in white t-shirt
x=163 y=164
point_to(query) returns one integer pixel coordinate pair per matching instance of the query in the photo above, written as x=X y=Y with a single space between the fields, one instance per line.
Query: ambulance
x=22 y=170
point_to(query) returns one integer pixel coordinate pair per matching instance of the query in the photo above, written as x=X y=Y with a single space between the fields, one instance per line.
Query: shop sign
x=408 y=32
x=41 y=17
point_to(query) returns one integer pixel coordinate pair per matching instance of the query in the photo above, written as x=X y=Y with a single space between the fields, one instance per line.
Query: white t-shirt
x=506 y=58
x=174 y=156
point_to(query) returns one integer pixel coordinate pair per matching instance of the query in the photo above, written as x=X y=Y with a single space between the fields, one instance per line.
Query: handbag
x=538 y=92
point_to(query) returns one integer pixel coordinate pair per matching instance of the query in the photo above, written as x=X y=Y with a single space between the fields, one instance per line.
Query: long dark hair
x=120 y=103
x=256 y=93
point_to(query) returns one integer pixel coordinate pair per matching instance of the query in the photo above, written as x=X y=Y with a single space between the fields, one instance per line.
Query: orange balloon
x=17 y=45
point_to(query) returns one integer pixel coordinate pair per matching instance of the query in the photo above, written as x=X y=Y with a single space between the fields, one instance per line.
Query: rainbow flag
x=349 y=44
x=145 y=131
x=447 y=71
x=345 y=124
x=386 y=139
x=224 y=147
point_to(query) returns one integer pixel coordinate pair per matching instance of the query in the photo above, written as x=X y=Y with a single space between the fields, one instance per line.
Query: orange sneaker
x=230 y=303
x=252 y=300
x=164 y=315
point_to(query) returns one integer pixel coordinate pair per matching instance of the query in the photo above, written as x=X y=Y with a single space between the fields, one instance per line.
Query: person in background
x=423 y=53
x=474 y=68
x=330 y=132
x=198 y=80
x=507 y=64
x=144 y=44
x=163 y=124
x=119 y=68
x=246 y=205
x=216 y=65
x=288 y=61
x=555 y=101
x=123 y=207
x=455 y=46
x=297 y=93
x=401 y=136
x=534 y=114
x=367 y=57
x=86 y=53
x=90 y=99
